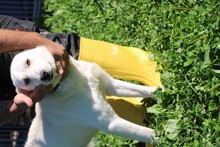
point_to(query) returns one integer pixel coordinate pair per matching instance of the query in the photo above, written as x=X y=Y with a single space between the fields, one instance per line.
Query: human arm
x=11 y=109
x=11 y=40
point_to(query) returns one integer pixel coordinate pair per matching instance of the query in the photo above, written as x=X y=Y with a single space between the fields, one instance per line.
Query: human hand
x=60 y=55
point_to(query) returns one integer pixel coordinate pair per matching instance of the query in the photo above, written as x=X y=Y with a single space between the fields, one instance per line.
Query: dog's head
x=32 y=68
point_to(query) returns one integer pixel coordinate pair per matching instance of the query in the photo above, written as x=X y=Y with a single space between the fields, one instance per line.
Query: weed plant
x=186 y=37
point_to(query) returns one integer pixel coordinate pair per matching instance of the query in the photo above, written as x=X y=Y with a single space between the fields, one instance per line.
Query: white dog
x=77 y=109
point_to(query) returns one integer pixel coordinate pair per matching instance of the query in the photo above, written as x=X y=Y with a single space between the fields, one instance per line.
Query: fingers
x=61 y=57
x=59 y=67
x=62 y=65
x=64 y=62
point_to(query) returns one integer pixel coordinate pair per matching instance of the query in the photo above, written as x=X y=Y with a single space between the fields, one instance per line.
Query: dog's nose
x=45 y=76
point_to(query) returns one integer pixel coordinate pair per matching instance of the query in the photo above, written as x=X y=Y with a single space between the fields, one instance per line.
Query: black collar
x=55 y=88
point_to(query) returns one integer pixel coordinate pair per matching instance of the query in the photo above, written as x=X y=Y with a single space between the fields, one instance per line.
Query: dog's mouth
x=25 y=92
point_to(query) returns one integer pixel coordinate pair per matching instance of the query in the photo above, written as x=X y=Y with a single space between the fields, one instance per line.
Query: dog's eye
x=28 y=62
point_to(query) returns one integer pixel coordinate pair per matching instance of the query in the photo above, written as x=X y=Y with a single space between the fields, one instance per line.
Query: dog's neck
x=56 y=87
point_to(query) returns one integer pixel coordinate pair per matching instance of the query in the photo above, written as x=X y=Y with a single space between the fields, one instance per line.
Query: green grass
x=102 y=140
x=187 y=36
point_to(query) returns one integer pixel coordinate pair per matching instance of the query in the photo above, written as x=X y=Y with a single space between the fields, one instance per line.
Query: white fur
x=74 y=113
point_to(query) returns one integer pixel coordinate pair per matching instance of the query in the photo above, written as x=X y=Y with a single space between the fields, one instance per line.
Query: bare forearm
x=17 y=40
x=14 y=40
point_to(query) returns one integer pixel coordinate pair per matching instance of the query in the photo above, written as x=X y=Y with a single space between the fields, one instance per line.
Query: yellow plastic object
x=122 y=62
x=128 y=108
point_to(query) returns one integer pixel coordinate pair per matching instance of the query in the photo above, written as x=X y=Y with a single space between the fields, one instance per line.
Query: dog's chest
x=72 y=100
x=68 y=110
x=67 y=116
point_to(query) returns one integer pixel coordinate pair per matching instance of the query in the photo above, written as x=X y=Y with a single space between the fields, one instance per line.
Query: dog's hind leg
x=125 y=89
x=126 y=129
x=104 y=118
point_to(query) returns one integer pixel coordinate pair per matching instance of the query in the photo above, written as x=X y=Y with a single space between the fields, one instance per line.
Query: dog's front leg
x=114 y=87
